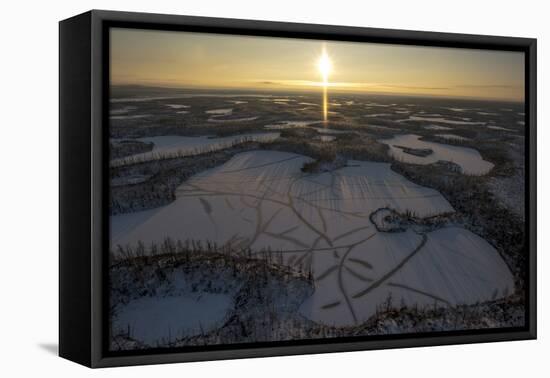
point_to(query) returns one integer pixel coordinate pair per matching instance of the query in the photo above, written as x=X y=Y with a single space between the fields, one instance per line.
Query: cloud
x=488 y=86
x=379 y=86
x=414 y=87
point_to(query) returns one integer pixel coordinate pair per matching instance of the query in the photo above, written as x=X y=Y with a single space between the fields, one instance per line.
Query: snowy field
x=290 y=125
x=452 y=137
x=166 y=146
x=436 y=127
x=441 y=120
x=469 y=160
x=262 y=200
x=158 y=320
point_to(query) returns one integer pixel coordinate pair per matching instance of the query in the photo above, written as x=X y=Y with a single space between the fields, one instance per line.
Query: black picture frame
x=83 y=228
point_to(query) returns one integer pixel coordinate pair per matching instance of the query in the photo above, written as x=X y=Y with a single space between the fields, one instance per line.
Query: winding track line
x=341 y=278
x=291 y=239
x=386 y=276
x=305 y=222
x=262 y=165
x=323 y=249
x=308 y=253
x=406 y=287
x=357 y=275
x=262 y=228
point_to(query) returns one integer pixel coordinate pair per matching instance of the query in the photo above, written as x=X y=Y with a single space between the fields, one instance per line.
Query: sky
x=183 y=59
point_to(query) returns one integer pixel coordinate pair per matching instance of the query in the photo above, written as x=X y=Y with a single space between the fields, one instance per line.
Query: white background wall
x=29 y=189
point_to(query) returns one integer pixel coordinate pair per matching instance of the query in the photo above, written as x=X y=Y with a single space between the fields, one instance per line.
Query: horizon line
x=312 y=91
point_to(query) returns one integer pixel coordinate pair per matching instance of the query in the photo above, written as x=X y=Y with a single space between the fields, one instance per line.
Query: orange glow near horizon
x=215 y=61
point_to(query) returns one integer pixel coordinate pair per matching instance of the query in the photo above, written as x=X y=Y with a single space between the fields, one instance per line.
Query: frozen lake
x=469 y=160
x=441 y=120
x=156 y=320
x=290 y=125
x=452 y=137
x=262 y=199
x=219 y=112
x=173 y=145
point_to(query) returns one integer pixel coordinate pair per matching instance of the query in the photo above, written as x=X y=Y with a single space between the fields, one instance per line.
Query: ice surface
x=262 y=199
x=377 y=115
x=457 y=109
x=499 y=128
x=436 y=127
x=452 y=137
x=452 y=267
x=134 y=116
x=323 y=130
x=220 y=111
x=177 y=106
x=376 y=104
x=326 y=138
x=123 y=110
x=159 y=320
x=165 y=146
x=469 y=160
x=290 y=125
x=122 y=224
x=441 y=120
x=219 y=120
x=275 y=181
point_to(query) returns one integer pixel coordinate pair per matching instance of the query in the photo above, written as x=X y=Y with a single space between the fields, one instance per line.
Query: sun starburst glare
x=325 y=67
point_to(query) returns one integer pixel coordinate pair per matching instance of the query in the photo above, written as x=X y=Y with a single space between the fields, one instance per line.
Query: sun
x=325 y=66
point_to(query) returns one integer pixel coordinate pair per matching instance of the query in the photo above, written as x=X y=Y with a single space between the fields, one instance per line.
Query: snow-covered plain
x=327 y=131
x=174 y=145
x=377 y=115
x=499 y=128
x=133 y=116
x=177 y=106
x=326 y=138
x=469 y=160
x=122 y=224
x=226 y=111
x=452 y=137
x=379 y=105
x=262 y=200
x=123 y=110
x=441 y=120
x=222 y=120
x=157 y=320
x=436 y=127
x=457 y=109
x=290 y=125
